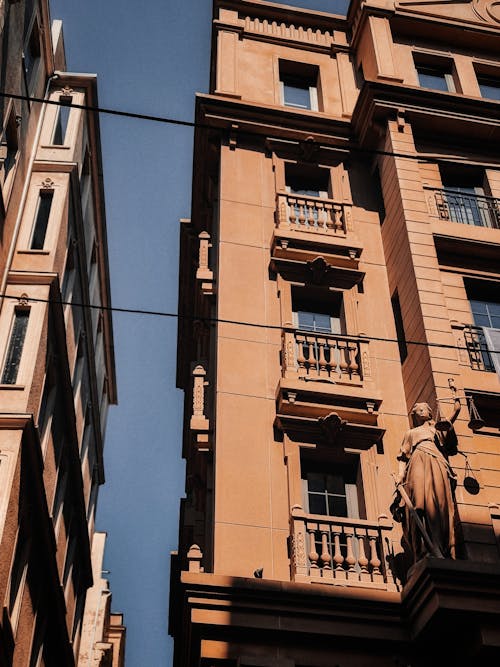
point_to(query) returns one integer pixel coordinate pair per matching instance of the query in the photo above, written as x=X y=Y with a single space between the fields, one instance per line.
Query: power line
x=194 y=124
x=217 y=320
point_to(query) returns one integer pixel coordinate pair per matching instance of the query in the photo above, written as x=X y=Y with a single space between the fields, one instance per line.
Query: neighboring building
x=346 y=195
x=57 y=363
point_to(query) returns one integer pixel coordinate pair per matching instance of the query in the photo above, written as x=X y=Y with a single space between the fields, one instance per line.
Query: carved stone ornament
x=23 y=299
x=331 y=426
x=66 y=91
x=309 y=149
x=319 y=270
x=47 y=184
x=487 y=10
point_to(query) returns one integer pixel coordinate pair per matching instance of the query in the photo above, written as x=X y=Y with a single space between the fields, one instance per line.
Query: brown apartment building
x=342 y=264
x=57 y=364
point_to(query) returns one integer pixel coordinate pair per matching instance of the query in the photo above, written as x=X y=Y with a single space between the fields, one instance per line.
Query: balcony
x=308 y=225
x=467 y=209
x=329 y=357
x=326 y=371
x=342 y=551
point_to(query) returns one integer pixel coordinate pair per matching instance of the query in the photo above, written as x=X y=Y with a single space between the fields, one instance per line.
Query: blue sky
x=150 y=61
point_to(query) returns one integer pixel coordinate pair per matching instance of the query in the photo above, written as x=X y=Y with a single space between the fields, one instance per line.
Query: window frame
x=18 y=308
x=307 y=76
x=441 y=65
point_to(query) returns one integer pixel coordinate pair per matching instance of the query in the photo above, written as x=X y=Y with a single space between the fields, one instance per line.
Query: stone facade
x=57 y=361
x=340 y=265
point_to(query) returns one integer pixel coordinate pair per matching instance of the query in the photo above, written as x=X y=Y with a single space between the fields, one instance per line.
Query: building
x=57 y=364
x=340 y=265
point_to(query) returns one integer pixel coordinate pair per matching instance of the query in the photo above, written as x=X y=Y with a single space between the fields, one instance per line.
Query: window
x=8 y=148
x=334 y=490
x=62 y=482
x=484 y=300
x=436 y=77
x=62 y=119
x=31 y=56
x=302 y=179
x=400 y=330
x=18 y=576
x=15 y=347
x=487 y=406
x=41 y=219
x=299 y=85
x=320 y=313
x=489 y=87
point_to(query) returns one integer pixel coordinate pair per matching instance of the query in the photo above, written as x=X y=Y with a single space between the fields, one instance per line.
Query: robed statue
x=425 y=485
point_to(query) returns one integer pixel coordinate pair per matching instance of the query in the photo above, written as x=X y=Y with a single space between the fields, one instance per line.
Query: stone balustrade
x=319 y=356
x=341 y=550
x=312 y=214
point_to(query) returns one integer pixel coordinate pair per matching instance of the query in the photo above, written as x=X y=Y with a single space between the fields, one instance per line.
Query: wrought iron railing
x=477 y=348
x=468 y=209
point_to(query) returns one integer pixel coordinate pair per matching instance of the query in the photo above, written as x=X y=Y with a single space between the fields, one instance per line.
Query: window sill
x=51 y=146
x=33 y=252
x=12 y=387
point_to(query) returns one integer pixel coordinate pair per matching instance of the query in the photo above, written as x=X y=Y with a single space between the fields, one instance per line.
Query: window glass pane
x=495 y=322
x=337 y=506
x=322 y=322
x=432 y=78
x=494 y=309
x=296 y=94
x=481 y=320
x=305 y=320
x=335 y=484
x=489 y=87
x=41 y=220
x=62 y=121
x=316 y=481
x=15 y=349
x=317 y=504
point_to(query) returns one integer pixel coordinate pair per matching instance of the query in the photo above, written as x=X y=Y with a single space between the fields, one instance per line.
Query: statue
x=425 y=485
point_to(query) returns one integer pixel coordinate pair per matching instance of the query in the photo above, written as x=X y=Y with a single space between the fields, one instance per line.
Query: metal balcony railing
x=477 y=348
x=468 y=209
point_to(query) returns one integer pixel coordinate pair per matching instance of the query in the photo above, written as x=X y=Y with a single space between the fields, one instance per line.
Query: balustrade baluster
x=337 y=223
x=311 y=223
x=323 y=368
x=352 y=353
x=292 y=208
x=326 y=558
x=302 y=217
x=350 y=558
x=362 y=559
x=311 y=359
x=343 y=365
x=338 y=558
x=374 y=559
x=329 y=217
x=313 y=554
x=321 y=222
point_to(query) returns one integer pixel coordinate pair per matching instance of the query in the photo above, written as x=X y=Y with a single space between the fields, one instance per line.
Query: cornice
x=433 y=112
